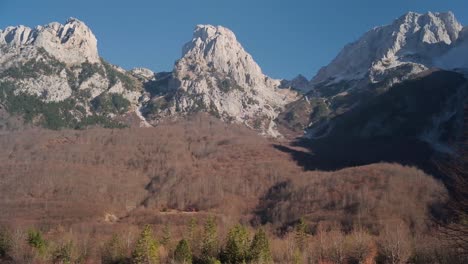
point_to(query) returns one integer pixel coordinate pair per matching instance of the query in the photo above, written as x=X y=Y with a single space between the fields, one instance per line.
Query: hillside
x=190 y=169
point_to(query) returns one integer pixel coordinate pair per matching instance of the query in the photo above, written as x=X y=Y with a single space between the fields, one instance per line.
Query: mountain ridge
x=215 y=74
x=412 y=38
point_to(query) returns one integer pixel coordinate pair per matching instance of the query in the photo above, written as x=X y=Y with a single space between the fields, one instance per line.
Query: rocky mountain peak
x=433 y=27
x=216 y=75
x=71 y=43
x=215 y=48
x=411 y=39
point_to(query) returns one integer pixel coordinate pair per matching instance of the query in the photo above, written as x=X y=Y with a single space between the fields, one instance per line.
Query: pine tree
x=259 y=251
x=146 y=248
x=113 y=251
x=209 y=247
x=300 y=235
x=191 y=230
x=183 y=253
x=237 y=245
x=166 y=237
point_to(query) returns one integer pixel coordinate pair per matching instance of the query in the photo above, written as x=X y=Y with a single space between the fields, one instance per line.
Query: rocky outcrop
x=413 y=40
x=71 y=43
x=216 y=75
x=457 y=56
x=54 y=76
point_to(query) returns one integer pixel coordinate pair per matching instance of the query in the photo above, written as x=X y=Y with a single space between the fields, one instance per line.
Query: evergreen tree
x=259 y=251
x=183 y=253
x=166 y=237
x=113 y=251
x=300 y=235
x=191 y=230
x=146 y=248
x=209 y=247
x=237 y=245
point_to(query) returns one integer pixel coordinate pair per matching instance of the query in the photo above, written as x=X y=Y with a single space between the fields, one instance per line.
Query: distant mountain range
x=408 y=74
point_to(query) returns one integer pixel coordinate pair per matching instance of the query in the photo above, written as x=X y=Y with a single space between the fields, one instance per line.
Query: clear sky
x=285 y=37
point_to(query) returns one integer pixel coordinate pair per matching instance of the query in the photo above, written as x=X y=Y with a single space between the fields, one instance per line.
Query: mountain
x=53 y=76
x=411 y=42
x=456 y=57
x=72 y=43
x=299 y=83
x=58 y=68
x=387 y=82
x=216 y=75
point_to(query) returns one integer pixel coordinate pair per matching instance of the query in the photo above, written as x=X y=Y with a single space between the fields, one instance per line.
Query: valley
x=216 y=162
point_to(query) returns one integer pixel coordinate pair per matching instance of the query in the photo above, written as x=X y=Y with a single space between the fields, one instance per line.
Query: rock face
x=71 y=43
x=413 y=40
x=143 y=73
x=385 y=86
x=59 y=64
x=457 y=56
x=53 y=76
x=216 y=75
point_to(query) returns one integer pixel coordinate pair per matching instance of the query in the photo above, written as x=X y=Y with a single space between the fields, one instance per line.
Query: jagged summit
x=217 y=48
x=216 y=75
x=411 y=39
x=71 y=43
x=206 y=34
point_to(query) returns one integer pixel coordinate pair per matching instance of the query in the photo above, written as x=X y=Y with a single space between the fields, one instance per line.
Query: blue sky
x=285 y=37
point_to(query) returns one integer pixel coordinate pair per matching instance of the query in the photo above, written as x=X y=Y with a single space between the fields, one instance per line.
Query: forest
x=203 y=191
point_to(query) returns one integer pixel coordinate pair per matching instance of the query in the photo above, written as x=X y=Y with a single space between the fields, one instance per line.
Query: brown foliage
x=99 y=182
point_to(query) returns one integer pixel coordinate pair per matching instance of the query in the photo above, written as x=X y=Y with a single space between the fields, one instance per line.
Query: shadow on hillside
x=329 y=156
x=387 y=127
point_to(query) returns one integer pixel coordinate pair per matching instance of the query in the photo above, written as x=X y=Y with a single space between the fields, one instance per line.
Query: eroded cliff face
x=414 y=40
x=216 y=75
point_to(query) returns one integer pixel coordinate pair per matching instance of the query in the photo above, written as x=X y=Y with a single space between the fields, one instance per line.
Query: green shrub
x=146 y=248
x=209 y=243
x=120 y=103
x=259 y=251
x=5 y=242
x=300 y=235
x=47 y=65
x=237 y=245
x=110 y=103
x=113 y=251
x=166 y=237
x=36 y=241
x=57 y=115
x=114 y=76
x=183 y=253
x=88 y=70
